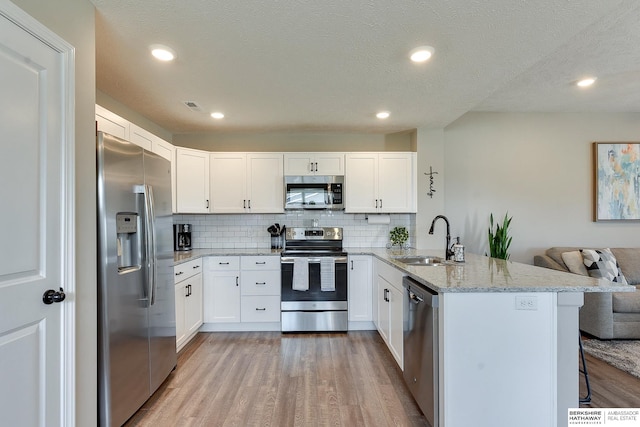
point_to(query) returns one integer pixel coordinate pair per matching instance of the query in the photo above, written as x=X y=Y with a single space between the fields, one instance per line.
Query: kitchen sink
x=420 y=260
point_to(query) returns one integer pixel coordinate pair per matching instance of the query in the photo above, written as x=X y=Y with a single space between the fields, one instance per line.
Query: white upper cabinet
x=192 y=180
x=141 y=137
x=265 y=182
x=361 y=182
x=117 y=126
x=313 y=164
x=163 y=148
x=111 y=123
x=247 y=183
x=227 y=172
x=382 y=182
x=397 y=182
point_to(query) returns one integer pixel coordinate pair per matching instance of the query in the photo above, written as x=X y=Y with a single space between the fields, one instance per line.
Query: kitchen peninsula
x=507 y=334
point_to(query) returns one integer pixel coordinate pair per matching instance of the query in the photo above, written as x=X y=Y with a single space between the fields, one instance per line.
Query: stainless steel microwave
x=314 y=192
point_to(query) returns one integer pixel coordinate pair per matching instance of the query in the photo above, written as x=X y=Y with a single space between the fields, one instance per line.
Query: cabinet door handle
x=376 y=203
x=186 y=288
x=316 y=167
x=249 y=203
x=352 y=264
x=380 y=203
x=237 y=283
x=190 y=289
x=244 y=203
x=261 y=309
x=207 y=203
x=386 y=295
x=261 y=283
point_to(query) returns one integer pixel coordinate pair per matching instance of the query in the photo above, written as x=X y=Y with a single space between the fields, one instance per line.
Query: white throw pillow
x=602 y=264
x=575 y=264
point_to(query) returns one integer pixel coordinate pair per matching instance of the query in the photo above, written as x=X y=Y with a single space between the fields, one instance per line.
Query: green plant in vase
x=399 y=236
x=499 y=239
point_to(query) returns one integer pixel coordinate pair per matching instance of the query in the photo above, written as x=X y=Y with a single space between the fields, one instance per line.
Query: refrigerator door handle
x=150 y=232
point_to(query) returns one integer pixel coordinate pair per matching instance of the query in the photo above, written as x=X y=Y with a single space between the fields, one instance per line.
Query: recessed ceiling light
x=217 y=115
x=383 y=115
x=586 y=82
x=163 y=53
x=421 y=54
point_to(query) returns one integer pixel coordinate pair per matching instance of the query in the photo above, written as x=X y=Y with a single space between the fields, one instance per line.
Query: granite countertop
x=477 y=274
x=483 y=274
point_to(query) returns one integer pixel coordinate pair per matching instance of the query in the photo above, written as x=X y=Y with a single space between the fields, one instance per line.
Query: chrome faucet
x=447 y=248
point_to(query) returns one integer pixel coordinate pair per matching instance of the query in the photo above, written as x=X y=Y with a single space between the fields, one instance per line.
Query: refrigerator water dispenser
x=128 y=246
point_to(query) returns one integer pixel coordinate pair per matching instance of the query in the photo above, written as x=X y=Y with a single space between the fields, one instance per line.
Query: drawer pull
x=261 y=283
x=223 y=263
x=260 y=309
x=196 y=266
x=261 y=263
x=179 y=273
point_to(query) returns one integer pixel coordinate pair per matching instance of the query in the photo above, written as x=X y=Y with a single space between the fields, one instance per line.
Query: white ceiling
x=330 y=65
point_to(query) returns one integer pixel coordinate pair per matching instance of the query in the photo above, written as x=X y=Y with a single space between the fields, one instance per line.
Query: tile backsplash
x=248 y=231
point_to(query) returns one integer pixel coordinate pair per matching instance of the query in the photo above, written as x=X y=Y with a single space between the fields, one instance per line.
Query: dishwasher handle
x=415 y=298
x=419 y=293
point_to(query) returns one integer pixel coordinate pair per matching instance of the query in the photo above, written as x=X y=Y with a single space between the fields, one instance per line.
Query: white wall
x=430 y=147
x=538 y=167
x=73 y=20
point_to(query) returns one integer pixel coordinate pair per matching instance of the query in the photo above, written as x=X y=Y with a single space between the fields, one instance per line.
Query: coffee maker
x=182 y=237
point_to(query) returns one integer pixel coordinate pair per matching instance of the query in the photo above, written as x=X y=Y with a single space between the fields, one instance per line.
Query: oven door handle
x=316 y=260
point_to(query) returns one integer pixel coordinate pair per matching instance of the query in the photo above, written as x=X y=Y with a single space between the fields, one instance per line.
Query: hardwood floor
x=271 y=379
x=610 y=387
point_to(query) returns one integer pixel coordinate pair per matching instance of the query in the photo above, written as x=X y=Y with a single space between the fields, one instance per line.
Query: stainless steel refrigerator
x=136 y=297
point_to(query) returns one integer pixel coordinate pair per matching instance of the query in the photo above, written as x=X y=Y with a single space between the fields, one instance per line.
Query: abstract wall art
x=617 y=181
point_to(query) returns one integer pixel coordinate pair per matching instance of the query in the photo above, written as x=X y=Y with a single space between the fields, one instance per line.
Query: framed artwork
x=616 y=181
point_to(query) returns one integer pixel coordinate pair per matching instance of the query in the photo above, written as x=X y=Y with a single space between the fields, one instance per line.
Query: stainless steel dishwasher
x=421 y=347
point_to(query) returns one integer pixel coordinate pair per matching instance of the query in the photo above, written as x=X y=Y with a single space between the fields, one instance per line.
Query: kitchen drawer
x=187 y=269
x=255 y=282
x=223 y=263
x=260 y=309
x=260 y=263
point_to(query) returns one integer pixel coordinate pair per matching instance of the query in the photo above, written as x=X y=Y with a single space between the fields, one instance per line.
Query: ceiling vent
x=193 y=106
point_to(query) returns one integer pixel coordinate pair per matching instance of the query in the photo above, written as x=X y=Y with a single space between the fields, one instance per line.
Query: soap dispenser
x=458 y=251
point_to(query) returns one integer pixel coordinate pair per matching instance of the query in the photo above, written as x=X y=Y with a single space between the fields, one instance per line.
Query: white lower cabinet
x=222 y=289
x=260 y=308
x=241 y=290
x=188 y=293
x=389 y=300
x=360 y=289
x=260 y=288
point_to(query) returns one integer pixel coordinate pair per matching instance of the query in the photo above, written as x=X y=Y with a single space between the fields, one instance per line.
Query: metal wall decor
x=431 y=186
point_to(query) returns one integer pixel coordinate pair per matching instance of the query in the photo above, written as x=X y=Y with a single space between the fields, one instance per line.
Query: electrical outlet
x=526 y=303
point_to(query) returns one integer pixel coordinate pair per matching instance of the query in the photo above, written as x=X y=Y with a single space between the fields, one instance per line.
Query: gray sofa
x=607 y=315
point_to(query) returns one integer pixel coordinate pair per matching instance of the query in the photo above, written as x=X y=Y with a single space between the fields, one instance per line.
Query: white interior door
x=36 y=253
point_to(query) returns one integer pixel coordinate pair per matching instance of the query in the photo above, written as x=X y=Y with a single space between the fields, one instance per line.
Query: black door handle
x=50 y=296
